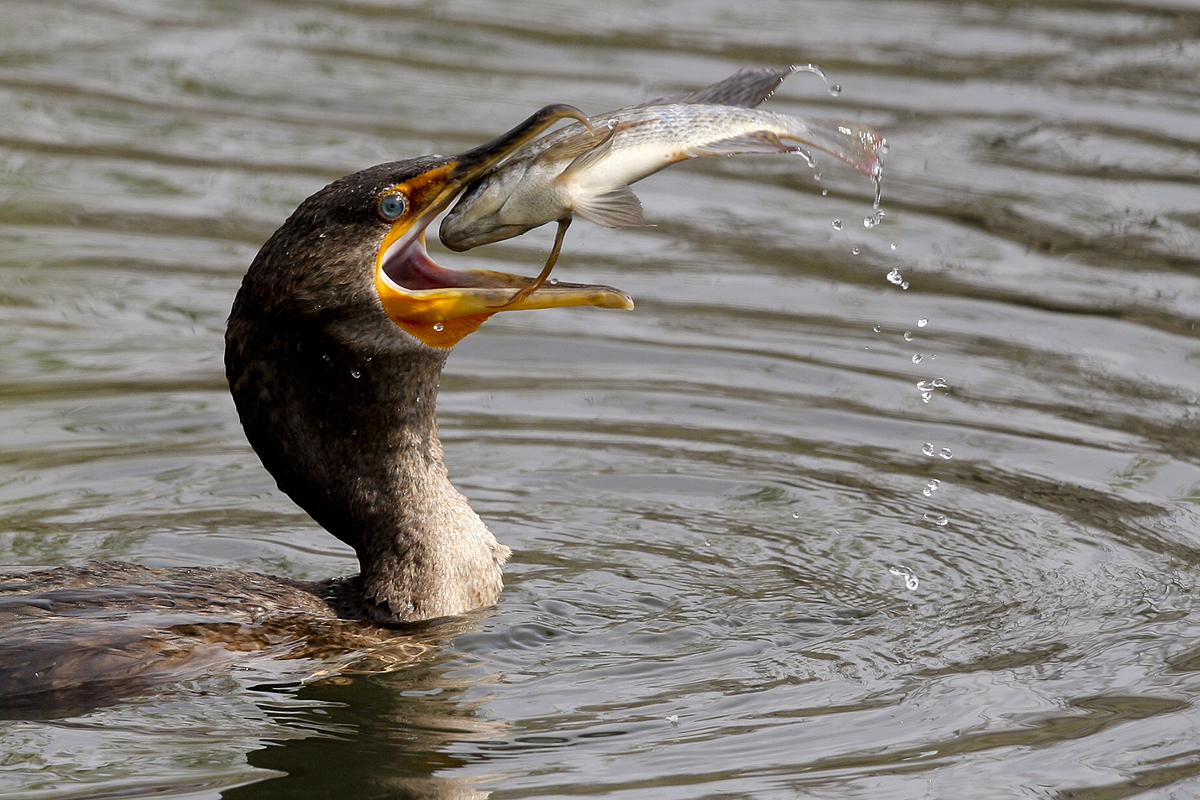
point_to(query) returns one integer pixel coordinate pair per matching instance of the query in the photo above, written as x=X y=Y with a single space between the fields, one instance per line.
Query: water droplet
x=931 y=487
x=893 y=245
x=895 y=277
x=673 y=719
x=553 y=281
x=908 y=336
x=824 y=193
x=837 y=224
x=938 y=519
x=939 y=383
x=945 y=453
x=816 y=176
x=904 y=285
x=916 y=359
x=814 y=69
x=795 y=515
x=910 y=581
x=922 y=322
x=835 y=90
x=928 y=448
x=439 y=326
x=926 y=397
x=854 y=251
x=355 y=373
x=326 y=357
x=871 y=220
x=877 y=328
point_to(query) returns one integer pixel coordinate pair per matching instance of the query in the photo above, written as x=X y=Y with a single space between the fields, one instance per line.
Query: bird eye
x=392 y=206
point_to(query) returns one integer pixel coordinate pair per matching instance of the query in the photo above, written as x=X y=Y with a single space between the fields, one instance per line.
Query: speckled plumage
x=79 y=637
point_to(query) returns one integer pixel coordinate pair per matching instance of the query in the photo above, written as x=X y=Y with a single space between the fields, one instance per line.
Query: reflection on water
x=902 y=509
x=393 y=736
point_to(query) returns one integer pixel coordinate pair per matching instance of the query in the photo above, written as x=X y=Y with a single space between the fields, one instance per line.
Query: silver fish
x=577 y=171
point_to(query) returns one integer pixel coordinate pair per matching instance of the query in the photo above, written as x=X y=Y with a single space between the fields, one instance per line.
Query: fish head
x=483 y=214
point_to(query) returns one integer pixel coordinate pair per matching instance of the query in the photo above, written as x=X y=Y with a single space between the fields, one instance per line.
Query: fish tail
x=857 y=145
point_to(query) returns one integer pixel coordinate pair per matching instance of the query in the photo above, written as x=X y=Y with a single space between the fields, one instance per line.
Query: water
x=727 y=579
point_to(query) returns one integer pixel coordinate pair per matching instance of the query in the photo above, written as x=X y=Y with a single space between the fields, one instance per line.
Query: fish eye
x=392 y=206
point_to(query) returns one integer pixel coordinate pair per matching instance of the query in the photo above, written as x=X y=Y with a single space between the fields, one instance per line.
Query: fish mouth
x=439 y=305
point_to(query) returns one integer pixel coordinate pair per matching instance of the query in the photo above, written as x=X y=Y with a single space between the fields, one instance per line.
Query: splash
x=911 y=581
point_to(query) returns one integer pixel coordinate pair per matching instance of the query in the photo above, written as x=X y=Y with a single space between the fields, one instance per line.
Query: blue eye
x=392 y=206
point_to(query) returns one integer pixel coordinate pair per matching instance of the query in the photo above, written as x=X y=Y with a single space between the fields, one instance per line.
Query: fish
x=586 y=170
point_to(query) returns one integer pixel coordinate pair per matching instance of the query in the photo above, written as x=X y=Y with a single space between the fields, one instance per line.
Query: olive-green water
x=838 y=511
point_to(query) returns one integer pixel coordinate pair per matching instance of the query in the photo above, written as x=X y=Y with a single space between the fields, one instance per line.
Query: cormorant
x=334 y=349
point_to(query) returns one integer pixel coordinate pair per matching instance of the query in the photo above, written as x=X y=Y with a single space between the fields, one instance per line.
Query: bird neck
x=422 y=550
x=340 y=406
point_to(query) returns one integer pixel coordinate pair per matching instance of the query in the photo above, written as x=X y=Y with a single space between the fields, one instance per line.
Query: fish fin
x=573 y=145
x=619 y=208
x=748 y=87
x=585 y=149
x=590 y=157
x=754 y=142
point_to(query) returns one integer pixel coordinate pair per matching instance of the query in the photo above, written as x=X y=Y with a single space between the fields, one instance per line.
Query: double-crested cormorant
x=334 y=349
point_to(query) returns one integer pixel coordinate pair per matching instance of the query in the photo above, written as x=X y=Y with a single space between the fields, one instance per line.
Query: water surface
x=791 y=528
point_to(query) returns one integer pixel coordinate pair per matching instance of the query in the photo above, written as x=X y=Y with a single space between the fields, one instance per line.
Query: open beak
x=438 y=305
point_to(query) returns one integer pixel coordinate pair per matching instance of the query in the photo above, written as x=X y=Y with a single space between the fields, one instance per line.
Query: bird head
x=438 y=305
